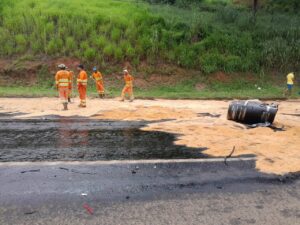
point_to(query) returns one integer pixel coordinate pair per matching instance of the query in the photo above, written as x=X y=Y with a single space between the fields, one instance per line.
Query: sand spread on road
x=196 y=123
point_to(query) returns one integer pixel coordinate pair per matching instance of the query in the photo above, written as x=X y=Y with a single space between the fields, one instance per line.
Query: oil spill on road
x=87 y=140
x=10 y=114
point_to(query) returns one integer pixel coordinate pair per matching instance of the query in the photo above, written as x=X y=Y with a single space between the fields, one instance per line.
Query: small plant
x=116 y=34
x=21 y=43
x=70 y=45
x=89 y=54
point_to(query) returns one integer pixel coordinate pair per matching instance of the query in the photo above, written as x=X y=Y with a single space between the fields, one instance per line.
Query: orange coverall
x=71 y=84
x=63 y=83
x=99 y=82
x=128 y=86
x=82 y=86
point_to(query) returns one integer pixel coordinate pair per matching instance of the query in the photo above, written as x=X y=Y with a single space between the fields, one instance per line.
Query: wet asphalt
x=63 y=171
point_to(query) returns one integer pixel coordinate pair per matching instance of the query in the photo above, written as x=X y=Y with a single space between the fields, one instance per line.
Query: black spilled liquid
x=67 y=140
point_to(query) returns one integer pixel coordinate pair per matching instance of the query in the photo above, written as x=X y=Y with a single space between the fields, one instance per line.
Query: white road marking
x=123 y=162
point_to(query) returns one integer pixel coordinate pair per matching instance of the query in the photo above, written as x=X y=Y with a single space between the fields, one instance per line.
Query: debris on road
x=208 y=115
x=275 y=129
x=84 y=173
x=76 y=171
x=88 y=209
x=229 y=156
x=30 y=212
x=267 y=124
x=31 y=171
x=252 y=112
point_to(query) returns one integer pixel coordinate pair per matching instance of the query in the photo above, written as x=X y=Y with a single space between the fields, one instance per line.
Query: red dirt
x=221 y=77
x=200 y=86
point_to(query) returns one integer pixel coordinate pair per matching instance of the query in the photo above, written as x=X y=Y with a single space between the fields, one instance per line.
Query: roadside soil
x=197 y=124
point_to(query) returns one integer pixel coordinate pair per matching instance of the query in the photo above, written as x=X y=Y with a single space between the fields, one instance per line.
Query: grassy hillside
x=201 y=37
x=210 y=36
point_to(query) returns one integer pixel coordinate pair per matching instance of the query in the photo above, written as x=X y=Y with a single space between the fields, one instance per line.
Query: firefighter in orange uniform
x=128 y=89
x=71 y=85
x=63 y=82
x=97 y=76
x=82 y=85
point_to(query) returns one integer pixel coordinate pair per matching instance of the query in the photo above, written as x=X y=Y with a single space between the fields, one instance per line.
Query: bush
x=89 y=54
x=84 y=45
x=115 y=34
x=286 y=5
x=211 y=62
x=145 y=43
x=118 y=54
x=196 y=34
x=21 y=43
x=130 y=53
x=55 y=46
x=101 y=42
x=131 y=34
x=70 y=45
x=232 y=63
x=109 y=50
x=36 y=47
x=277 y=52
x=228 y=14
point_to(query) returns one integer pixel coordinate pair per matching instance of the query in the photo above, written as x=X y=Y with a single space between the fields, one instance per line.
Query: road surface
x=203 y=191
x=90 y=168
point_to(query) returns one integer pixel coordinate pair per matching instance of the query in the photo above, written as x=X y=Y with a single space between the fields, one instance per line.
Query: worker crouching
x=98 y=78
x=128 y=89
x=63 y=82
x=82 y=85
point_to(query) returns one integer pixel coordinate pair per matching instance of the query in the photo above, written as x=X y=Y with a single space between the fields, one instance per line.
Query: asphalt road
x=203 y=191
x=61 y=172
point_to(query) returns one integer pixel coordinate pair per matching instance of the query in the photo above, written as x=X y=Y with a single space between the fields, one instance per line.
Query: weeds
x=196 y=34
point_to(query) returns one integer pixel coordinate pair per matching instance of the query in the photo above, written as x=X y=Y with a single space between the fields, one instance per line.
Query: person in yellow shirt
x=63 y=82
x=128 y=88
x=290 y=83
x=82 y=85
x=98 y=78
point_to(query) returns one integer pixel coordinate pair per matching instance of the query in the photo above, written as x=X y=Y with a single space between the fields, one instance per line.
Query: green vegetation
x=210 y=35
x=205 y=35
x=175 y=92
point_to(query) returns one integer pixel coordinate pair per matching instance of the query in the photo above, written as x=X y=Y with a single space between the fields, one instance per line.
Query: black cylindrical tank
x=252 y=112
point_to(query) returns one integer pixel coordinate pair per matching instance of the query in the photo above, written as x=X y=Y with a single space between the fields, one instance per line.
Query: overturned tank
x=252 y=112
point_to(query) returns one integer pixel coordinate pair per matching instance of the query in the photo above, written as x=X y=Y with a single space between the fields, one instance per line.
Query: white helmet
x=62 y=66
x=125 y=71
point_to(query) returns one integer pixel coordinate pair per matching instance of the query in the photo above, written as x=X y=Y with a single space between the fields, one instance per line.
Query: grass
x=187 y=91
x=179 y=91
x=208 y=36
